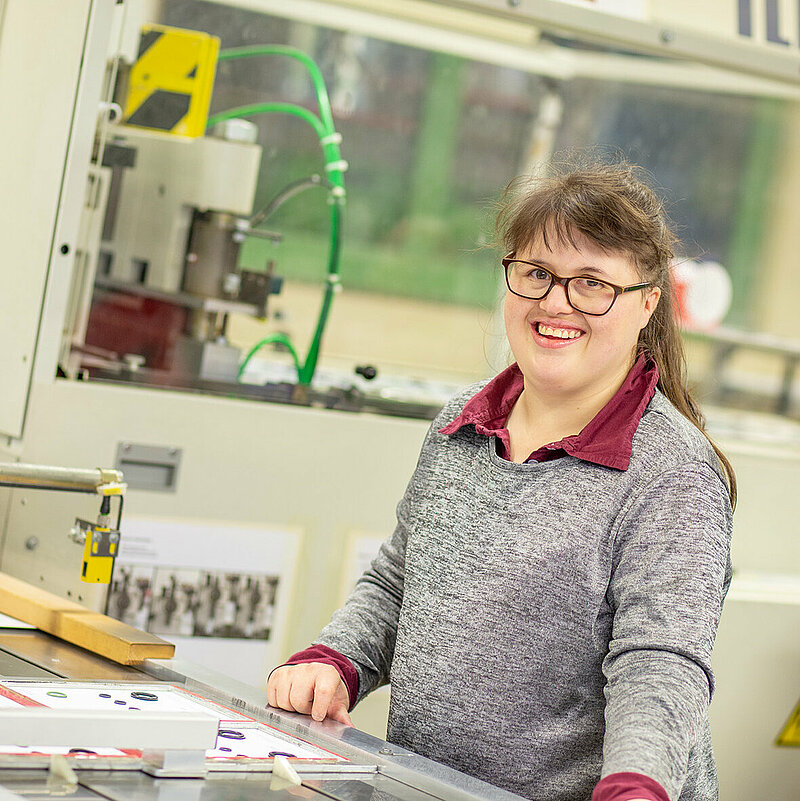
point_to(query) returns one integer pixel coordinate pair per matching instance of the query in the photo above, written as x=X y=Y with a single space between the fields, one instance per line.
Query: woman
x=547 y=605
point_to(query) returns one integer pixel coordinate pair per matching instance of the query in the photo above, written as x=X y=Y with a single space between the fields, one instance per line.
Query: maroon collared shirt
x=606 y=440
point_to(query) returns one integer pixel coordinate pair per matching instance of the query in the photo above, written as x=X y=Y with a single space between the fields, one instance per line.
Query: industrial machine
x=231 y=498
x=171 y=201
x=171 y=250
x=78 y=725
x=100 y=542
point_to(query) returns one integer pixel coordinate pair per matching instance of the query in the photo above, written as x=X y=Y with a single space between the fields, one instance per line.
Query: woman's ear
x=651 y=299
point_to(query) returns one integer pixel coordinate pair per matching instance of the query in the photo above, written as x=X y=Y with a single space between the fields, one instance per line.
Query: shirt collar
x=606 y=440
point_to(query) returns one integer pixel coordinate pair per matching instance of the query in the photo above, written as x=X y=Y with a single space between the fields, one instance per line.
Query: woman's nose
x=555 y=302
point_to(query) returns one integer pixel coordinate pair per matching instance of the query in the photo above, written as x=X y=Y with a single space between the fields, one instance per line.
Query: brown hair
x=613 y=206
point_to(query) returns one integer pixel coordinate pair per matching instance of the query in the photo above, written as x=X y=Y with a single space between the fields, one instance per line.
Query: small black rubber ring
x=142 y=696
x=230 y=734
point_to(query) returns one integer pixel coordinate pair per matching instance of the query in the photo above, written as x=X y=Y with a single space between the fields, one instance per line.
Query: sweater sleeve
x=670 y=572
x=628 y=787
x=365 y=628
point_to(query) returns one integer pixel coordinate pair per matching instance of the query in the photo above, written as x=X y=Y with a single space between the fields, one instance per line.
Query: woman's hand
x=311 y=689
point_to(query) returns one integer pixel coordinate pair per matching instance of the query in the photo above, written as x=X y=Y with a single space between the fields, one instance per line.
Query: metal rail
x=649 y=36
x=71 y=479
x=725 y=342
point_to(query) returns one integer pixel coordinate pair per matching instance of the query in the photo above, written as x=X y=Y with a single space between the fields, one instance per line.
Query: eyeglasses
x=585 y=294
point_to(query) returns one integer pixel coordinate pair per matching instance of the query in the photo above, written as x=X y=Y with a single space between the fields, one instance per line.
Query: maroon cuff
x=327 y=656
x=628 y=786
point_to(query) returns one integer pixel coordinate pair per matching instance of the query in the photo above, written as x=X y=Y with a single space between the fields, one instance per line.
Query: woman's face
x=583 y=355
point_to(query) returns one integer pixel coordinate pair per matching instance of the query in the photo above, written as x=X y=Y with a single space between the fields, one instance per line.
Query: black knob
x=64 y=249
x=368 y=371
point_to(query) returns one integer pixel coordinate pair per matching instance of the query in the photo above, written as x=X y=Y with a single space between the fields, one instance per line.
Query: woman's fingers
x=272 y=683
x=340 y=715
x=301 y=694
x=282 y=691
x=327 y=683
x=312 y=689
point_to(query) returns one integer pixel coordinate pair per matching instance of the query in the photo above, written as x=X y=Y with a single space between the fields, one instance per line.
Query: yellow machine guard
x=171 y=82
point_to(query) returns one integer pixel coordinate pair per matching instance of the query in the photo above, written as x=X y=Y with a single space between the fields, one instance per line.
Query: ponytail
x=661 y=339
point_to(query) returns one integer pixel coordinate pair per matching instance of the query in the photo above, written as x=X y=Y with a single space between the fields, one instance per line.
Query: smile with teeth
x=558 y=333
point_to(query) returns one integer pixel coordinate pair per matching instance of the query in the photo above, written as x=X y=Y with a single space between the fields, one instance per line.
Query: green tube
x=270 y=108
x=283 y=339
x=323 y=102
x=307 y=372
x=329 y=141
x=330 y=149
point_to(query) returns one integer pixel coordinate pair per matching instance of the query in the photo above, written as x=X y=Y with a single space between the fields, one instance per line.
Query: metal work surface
x=32 y=785
x=123 y=787
x=331 y=760
x=344 y=400
x=54 y=658
x=15 y=667
x=137 y=786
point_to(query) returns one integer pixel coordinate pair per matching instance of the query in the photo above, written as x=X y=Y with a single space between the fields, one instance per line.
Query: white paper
x=60 y=695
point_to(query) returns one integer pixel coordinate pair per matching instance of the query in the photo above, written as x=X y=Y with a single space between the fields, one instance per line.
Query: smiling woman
x=569 y=355
x=603 y=222
x=546 y=607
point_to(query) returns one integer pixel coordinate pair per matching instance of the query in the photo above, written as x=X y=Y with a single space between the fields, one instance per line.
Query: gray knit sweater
x=546 y=624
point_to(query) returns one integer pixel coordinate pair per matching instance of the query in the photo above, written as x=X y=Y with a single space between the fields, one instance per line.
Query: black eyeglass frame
x=557 y=279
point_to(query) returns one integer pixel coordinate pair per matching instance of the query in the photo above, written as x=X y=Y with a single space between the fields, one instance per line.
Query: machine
x=239 y=538
x=100 y=542
x=170 y=252
x=172 y=197
x=167 y=729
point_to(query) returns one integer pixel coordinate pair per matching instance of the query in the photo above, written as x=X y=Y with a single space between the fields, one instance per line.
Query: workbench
x=344 y=763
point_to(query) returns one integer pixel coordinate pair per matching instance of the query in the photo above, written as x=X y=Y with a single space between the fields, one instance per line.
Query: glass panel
x=433 y=138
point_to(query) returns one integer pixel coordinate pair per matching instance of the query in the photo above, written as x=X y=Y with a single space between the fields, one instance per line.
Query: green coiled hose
x=334 y=168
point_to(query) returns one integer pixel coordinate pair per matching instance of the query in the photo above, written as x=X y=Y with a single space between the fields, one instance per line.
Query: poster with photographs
x=195 y=603
x=208 y=588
